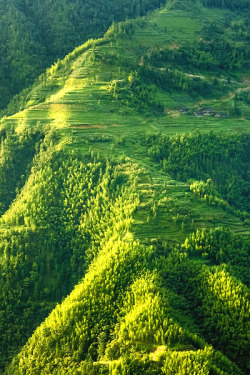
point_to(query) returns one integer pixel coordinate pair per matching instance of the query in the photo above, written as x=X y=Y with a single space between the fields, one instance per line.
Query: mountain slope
x=125 y=225
x=34 y=34
x=90 y=82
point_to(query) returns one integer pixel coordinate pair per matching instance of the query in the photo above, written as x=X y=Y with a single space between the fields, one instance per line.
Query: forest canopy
x=124 y=187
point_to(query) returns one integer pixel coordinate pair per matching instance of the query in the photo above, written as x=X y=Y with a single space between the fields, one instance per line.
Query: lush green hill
x=34 y=34
x=124 y=200
x=146 y=68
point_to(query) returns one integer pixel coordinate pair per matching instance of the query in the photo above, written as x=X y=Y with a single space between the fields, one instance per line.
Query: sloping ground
x=38 y=33
x=169 y=211
x=79 y=93
x=97 y=213
x=132 y=307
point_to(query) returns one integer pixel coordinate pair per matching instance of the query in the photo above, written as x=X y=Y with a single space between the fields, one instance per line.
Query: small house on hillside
x=205 y=112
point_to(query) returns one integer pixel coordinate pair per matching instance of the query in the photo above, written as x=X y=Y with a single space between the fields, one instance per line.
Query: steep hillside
x=148 y=67
x=34 y=34
x=124 y=201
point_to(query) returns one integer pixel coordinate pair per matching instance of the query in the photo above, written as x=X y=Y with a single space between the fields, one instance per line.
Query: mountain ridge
x=125 y=223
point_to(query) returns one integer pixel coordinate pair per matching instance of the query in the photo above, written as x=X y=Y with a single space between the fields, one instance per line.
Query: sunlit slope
x=34 y=34
x=94 y=99
x=131 y=308
x=107 y=82
x=77 y=208
x=127 y=208
x=66 y=205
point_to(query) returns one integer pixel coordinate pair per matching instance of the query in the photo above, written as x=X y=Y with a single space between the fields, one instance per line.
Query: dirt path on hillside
x=229 y=97
x=141 y=61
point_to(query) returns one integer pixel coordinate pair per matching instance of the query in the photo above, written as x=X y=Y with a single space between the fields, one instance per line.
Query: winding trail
x=229 y=97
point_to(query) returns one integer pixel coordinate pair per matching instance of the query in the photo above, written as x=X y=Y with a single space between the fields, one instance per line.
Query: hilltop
x=124 y=197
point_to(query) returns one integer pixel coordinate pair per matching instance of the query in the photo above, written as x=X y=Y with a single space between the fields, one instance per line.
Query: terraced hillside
x=124 y=195
x=117 y=77
x=34 y=34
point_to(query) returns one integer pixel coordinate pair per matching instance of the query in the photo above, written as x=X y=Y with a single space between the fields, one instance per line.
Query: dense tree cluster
x=232 y=4
x=217 y=54
x=124 y=329
x=89 y=312
x=17 y=153
x=220 y=246
x=79 y=292
x=225 y=314
x=223 y=159
x=175 y=80
x=64 y=210
x=134 y=94
x=135 y=307
x=217 y=301
x=222 y=4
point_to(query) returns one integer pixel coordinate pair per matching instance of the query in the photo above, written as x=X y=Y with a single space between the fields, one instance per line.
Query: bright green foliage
x=233 y=4
x=221 y=246
x=181 y=363
x=208 y=192
x=175 y=80
x=215 y=55
x=136 y=364
x=17 y=152
x=135 y=94
x=144 y=320
x=108 y=211
x=218 y=303
x=118 y=308
x=53 y=30
x=62 y=215
x=223 y=159
x=124 y=72
x=108 y=262
x=225 y=309
x=73 y=327
x=187 y=362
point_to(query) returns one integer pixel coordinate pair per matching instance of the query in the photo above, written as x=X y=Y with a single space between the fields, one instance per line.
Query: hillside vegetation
x=34 y=34
x=124 y=196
